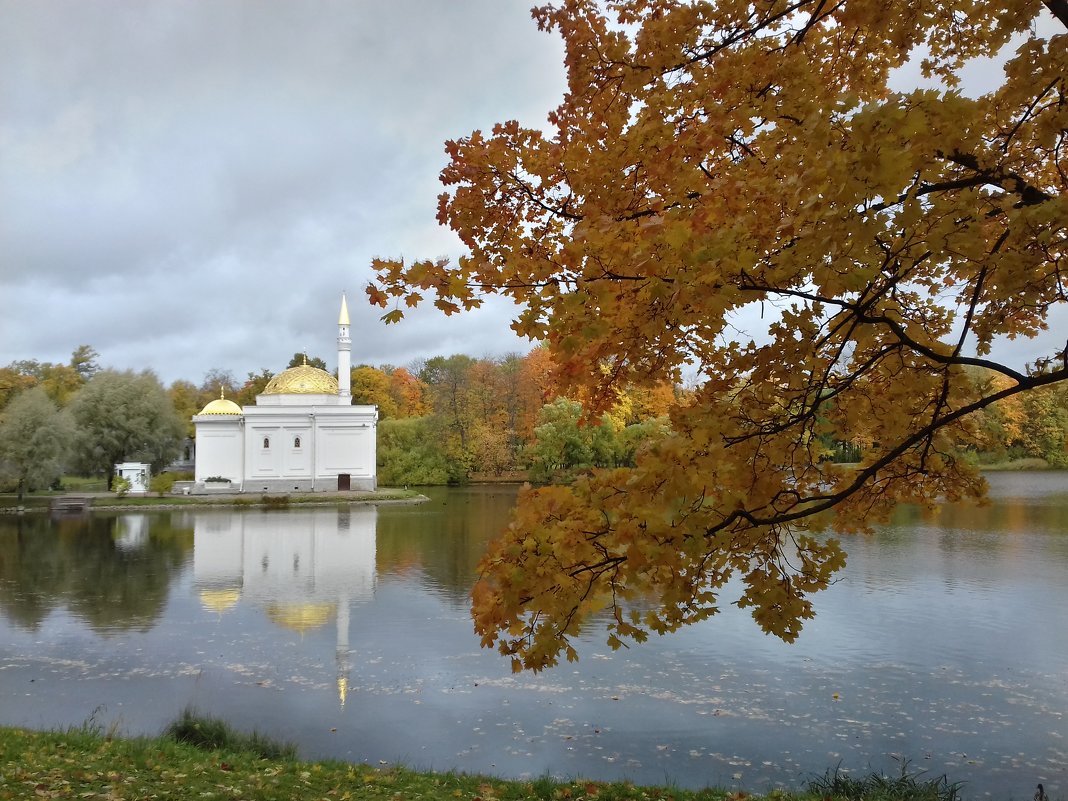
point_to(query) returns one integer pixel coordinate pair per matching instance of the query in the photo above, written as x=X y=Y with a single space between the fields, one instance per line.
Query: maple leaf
x=710 y=158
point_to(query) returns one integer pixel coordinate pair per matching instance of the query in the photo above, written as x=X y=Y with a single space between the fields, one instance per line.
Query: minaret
x=344 y=355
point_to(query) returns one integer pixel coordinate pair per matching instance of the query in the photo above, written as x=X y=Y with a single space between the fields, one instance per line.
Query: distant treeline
x=442 y=420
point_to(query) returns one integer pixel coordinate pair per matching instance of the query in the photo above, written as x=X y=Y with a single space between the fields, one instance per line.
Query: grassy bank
x=1016 y=464
x=199 y=757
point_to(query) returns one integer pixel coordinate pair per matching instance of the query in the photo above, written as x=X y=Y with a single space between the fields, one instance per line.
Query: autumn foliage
x=710 y=158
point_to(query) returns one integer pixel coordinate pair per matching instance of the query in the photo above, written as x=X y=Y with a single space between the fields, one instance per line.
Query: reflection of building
x=303 y=568
x=131 y=532
x=303 y=433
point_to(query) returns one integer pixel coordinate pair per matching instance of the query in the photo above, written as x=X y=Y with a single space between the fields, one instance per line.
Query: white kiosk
x=137 y=473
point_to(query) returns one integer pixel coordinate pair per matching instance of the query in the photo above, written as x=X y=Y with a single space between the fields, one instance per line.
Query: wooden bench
x=70 y=504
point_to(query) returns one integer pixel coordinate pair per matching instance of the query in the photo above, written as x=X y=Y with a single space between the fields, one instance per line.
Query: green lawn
x=81 y=765
x=203 y=758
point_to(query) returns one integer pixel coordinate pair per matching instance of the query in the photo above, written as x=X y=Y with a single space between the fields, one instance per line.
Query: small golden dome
x=221 y=406
x=219 y=600
x=302 y=380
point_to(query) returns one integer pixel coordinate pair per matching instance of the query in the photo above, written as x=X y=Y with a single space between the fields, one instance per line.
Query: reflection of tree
x=444 y=538
x=84 y=565
x=29 y=559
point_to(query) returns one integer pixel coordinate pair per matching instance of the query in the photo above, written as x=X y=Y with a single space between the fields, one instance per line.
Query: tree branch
x=1059 y=9
x=821 y=503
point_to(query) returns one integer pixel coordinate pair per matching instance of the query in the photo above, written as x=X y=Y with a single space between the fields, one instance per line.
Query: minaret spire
x=344 y=355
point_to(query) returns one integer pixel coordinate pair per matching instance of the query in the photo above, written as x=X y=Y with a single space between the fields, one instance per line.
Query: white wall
x=219 y=449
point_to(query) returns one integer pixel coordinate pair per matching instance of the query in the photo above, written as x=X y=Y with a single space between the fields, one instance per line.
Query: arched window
x=266 y=443
x=296 y=442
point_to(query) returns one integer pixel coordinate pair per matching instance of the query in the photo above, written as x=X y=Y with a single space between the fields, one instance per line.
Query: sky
x=190 y=186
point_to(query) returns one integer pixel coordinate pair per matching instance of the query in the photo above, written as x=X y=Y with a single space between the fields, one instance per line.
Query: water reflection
x=111 y=572
x=349 y=633
x=303 y=568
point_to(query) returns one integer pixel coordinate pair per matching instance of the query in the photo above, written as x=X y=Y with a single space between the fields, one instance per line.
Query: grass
x=215 y=734
x=83 y=763
x=76 y=484
x=203 y=757
x=877 y=787
x=1016 y=464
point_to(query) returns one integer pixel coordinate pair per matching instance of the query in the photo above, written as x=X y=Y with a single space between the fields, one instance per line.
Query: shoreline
x=89 y=762
x=108 y=502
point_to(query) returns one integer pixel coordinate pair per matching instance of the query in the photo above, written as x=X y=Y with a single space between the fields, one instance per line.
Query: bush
x=162 y=483
x=215 y=734
x=120 y=486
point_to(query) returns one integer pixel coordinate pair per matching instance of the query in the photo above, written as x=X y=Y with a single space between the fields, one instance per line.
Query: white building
x=137 y=473
x=303 y=434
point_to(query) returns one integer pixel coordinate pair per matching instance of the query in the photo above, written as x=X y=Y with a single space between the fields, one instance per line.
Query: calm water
x=944 y=643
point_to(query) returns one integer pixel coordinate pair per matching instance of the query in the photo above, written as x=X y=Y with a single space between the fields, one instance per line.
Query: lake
x=346 y=631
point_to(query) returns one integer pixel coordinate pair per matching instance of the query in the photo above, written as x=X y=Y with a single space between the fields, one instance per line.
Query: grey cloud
x=191 y=185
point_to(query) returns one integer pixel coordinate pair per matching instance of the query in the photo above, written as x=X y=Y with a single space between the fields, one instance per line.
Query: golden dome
x=221 y=406
x=301 y=617
x=302 y=380
x=219 y=600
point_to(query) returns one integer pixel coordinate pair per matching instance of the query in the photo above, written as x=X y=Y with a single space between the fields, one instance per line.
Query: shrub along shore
x=200 y=757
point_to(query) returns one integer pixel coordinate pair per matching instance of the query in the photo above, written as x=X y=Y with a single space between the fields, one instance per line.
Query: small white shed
x=137 y=473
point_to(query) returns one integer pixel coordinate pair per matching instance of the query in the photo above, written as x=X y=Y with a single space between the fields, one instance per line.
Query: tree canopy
x=300 y=358
x=710 y=158
x=124 y=415
x=33 y=438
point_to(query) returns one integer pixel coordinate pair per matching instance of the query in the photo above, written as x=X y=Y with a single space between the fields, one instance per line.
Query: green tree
x=84 y=362
x=637 y=437
x=1033 y=425
x=120 y=416
x=410 y=453
x=254 y=385
x=186 y=399
x=303 y=358
x=34 y=436
x=1044 y=430
x=447 y=380
x=566 y=445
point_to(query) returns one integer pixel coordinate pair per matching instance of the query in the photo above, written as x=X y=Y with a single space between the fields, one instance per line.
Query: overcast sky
x=191 y=185
x=187 y=186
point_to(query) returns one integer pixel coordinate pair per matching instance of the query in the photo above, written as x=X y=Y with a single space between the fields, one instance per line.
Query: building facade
x=303 y=434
